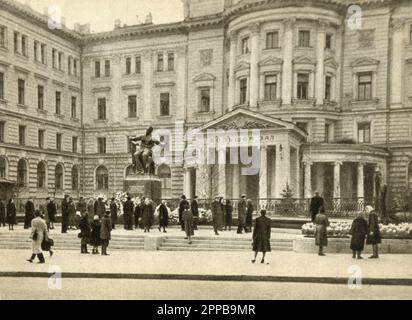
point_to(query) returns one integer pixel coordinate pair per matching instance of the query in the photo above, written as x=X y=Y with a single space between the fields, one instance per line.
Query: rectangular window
x=74 y=144
x=75 y=67
x=328 y=41
x=3 y=36
x=328 y=88
x=272 y=40
x=24 y=45
x=365 y=86
x=304 y=38
x=128 y=65
x=35 y=50
x=1 y=85
x=41 y=138
x=160 y=62
x=327 y=132
x=132 y=106
x=2 y=126
x=22 y=135
x=245 y=45
x=40 y=97
x=16 y=41
x=165 y=104
x=243 y=91
x=138 y=61
x=21 y=91
x=303 y=86
x=74 y=108
x=54 y=53
x=58 y=141
x=97 y=69
x=60 y=61
x=43 y=53
x=364 y=132
x=204 y=99
x=101 y=109
x=101 y=145
x=58 y=102
x=170 y=61
x=69 y=65
x=270 y=87
x=107 y=68
x=410 y=34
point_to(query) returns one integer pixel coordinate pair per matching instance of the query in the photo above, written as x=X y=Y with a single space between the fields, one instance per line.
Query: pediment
x=270 y=61
x=304 y=60
x=242 y=66
x=204 y=77
x=360 y=62
x=331 y=63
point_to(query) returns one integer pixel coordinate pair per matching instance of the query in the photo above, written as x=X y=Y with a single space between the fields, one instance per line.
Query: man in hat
x=65 y=213
x=241 y=209
x=143 y=156
x=316 y=203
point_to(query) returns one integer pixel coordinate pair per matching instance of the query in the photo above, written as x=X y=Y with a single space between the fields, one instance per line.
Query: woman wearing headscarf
x=374 y=233
x=358 y=231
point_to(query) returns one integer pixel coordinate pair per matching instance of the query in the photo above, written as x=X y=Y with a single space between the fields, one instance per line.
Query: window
x=101 y=145
x=410 y=34
x=21 y=173
x=58 y=176
x=304 y=38
x=24 y=45
x=165 y=104
x=2 y=130
x=58 y=102
x=54 y=53
x=272 y=40
x=58 y=141
x=1 y=85
x=102 y=178
x=16 y=41
x=303 y=86
x=101 y=109
x=328 y=127
x=170 y=61
x=21 y=89
x=328 y=41
x=160 y=62
x=97 y=69
x=35 y=46
x=41 y=138
x=270 y=87
x=75 y=178
x=165 y=176
x=3 y=168
x=245 y=45
x=43 y=53
x=41 y=175
x=40 y=97
x=74 y=144
x=3 y=36
x=364 y=132
x=328 y=88
x=204 y=99
x=132 y=104
x=75 y=67
x=128 y=65
x=69 y=65
x=243 y=91
x=138 y=61
x=74 y=108
x=22 y=135
x=365 y=86
x=107 y=68
x=60 y=60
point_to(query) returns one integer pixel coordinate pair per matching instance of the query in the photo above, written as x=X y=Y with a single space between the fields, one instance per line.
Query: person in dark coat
x=217 y=215
x=228 y=214
x=82 y=206
x=374 y=233
x=261 y=235
x=11 y=214
x=51 y=211
x=194 y=206
x=90 y=209
x=99 y=207
x=65 y=214
x=321 y=233
x=241 y=220
x=128 y=214
x=182 y=205
x=163 y=216
x=105 y=231
x=113 y=212
x=85 y=231
x=2 y=214
x=95 y=234
x=138 y=212
x=28 y=213
x=72 y=214
x=315 y=204
x=249 y=215
x=358 y=231
x=187 y=217
x=147 y=216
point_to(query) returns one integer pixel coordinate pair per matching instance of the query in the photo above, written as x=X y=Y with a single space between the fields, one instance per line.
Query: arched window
x=165 y=175
x=75 y=178
x=410 y=176
x=41 y=175
x=102 y=178
x=22 y=173
x=3 y=168
x=58 y=175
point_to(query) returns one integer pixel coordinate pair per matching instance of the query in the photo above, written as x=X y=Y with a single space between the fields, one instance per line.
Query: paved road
x=37 y=288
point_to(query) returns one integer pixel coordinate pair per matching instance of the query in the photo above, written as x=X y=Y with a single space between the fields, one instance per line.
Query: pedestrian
x=217 y=215
x=182 y=205
x=358 y=230
x=11 y=214
x=28 y=213
x=228 y=209
x=95 y=234
x=90 y=209
x=315 y=204
x=99 y=207
x=65 y=214
x=241 y=209
x=249 y=215
x=105 y=230
x=2 y=214
x=261 y=235
x=374 y=233
x=128 y=214
x=113 y=212
x=163 y=210
x=187 y=217
x=72 y=214
x=138 y=212
x=38 y=233
x=194 y=206
x=51 y=212
x=85 y=230
x=321 y=232
x=44 y=213
x=147 y=215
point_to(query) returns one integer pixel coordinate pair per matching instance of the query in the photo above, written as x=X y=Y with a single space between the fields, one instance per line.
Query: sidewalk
x=218 y=266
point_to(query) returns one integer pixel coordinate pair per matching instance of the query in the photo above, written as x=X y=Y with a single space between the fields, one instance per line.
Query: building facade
x=331 y=98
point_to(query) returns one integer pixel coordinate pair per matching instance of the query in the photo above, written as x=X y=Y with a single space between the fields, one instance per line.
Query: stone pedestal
x=144 y=186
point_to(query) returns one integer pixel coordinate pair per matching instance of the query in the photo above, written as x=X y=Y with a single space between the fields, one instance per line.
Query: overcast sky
x=102 y=13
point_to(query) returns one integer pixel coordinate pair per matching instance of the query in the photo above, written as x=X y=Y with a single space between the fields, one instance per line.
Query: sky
x=101 y=14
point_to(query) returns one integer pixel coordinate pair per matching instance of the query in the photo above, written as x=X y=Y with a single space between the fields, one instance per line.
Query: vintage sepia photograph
x=206 y=150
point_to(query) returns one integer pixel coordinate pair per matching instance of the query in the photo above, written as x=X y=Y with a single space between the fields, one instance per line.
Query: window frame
x=363 y=86
x=101 y=145
x=244 y=45
x=243 y=88
x=170 y=61
x=41 y=175
x=160 y=62
x=58 y=102
x=304 y=38
x=40 y=138
x=97 y=67
x=132 y=104
x=164 y=94
x=364 y=132
x=302 y=88
x=100 y=106
x=59 y=141
x=2 y=131
x=272 y=35
x=273 y=87
x=128 y=65
x=138 y=64
x=202 y=107
x=40 y=97
x=22 y=135
x=21 y=84
x=2 y=87
x=73 y=107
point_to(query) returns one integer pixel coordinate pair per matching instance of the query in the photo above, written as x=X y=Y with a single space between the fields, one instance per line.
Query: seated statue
x=143 y=156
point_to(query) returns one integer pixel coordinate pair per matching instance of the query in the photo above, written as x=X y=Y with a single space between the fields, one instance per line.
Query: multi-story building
x=327 y=85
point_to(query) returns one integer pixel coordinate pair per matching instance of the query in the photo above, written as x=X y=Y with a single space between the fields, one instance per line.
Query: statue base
x=144 y=186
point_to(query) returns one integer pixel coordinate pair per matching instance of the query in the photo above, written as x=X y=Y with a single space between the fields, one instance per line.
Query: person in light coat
x=321 y=233
x=38 y=233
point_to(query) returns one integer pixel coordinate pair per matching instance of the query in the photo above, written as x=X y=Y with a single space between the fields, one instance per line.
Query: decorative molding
x=41 y=77
x=289 y=23
x=101 y=89
x=59 y=83
x=304 y=60
x=242 y=66
x=164 y=84
x=270 y=61
x=254 y=28
x=244 y=123
x=397 y=24
x=206 y=57
x=364 y=61
x=204 y=77
x=4 y=64
x=75 y=89
x=22 y=70
x=131 y=86
x=331 y=63
x=366 y=38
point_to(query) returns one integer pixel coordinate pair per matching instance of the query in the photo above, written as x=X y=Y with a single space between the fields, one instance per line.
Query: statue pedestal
x=144 y=186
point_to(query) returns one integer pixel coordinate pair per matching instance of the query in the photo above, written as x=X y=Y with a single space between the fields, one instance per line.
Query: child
x=321 y=233
x=358 y=231
x=95 y=234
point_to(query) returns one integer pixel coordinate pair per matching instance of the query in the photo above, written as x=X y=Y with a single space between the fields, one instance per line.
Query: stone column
x=263 y=173
x=287 y=62
x=320 y=58
x=236 y=181
x=254 y=65
x=308 y=180
x=187 y=182
x=282 y=167
x=336 y=179
x=397 y=62
x=232 y=66
x=360 y=180
x=117 y=96
x=148 y=85
x=181 y=83
x=222 y=172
